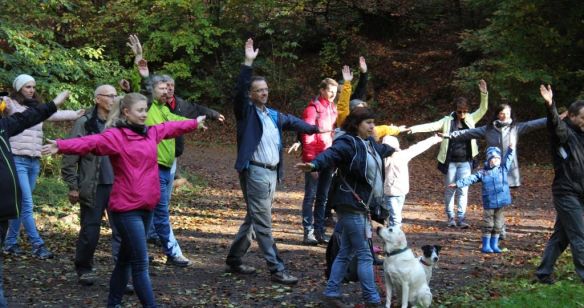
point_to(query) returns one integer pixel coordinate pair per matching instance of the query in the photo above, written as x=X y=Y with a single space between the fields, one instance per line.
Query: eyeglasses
x=112 y=96
x=261 y=90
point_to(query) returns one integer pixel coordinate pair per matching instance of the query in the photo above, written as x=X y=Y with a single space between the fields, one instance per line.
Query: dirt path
x=206 y=224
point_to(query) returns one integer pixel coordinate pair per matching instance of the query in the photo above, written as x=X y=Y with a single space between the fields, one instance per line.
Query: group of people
x=351 y=166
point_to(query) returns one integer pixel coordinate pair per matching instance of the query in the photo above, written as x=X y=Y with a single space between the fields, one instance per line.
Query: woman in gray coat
x=501 y=132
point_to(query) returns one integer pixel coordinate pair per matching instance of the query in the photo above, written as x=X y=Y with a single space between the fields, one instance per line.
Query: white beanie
x=20 y=81
x=391 y=141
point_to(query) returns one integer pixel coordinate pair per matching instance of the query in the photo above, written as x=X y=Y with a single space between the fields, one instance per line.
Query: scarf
x=138 y=129
x=500 y=124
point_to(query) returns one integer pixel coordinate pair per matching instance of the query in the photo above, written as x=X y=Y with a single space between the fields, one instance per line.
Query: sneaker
x=87 y=279
x=179 y=261
x=462 y=224
x=544 y=279
x=321 y=238
x=41 y=252
x=240 y=269
x=333 y=302
x=13 y=250
x=284 y=278
x=451 y=222
x=309 y=239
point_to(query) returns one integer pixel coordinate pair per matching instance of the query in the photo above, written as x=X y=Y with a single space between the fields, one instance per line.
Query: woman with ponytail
x=132 y=149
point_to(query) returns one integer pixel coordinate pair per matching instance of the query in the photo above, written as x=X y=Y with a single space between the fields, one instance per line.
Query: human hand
x=73 y=196
x=50 y=148
x=220 y=118
x=445 y=136
x=483 y=86
x=452 y=185
x=143 y=68
x=547 y=94
x=201 y=122
x=403 y=128
x=294 y=147
x=61 y=98
x=306 y=167
x=563 y=114
x=134 y=44
x=347 y=74
x=250 y=53
x=125 y=85
x=80 y=113
x=362 y=64
x=324 y=130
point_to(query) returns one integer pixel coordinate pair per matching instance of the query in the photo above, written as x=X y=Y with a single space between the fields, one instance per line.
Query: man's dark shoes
x=309 y=238
x=333 y=302
x=179 y=261
x=544 y=279
x=87 y=279
x=13 y=250
x=321 y=238
x=240 y=269
x=284 y=278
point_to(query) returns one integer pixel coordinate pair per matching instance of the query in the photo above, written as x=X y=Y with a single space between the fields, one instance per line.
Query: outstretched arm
x=468 y=180
x=526 y=127
x=18 y=122
x=467 y=134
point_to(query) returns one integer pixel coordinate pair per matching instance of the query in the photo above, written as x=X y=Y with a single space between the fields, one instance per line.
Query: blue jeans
x=28 y=169
x=133 y=258
x=258 y=186
x=456 y=171
x=316 y=188
x=161 y=218
x=395 y=205
x=353 y=241
x=151 y=230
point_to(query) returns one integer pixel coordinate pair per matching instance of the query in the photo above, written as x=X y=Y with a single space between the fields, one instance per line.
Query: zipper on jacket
x=13 y=177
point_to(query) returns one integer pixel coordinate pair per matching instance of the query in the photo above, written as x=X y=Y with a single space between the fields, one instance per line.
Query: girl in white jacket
x=397 y=176
x=26 y=149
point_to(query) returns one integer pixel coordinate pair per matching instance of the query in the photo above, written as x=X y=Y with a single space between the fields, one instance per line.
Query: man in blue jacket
x=259 y=163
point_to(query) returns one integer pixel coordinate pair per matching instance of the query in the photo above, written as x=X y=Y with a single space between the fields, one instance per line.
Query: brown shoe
x=334 y=302
x=240 y=269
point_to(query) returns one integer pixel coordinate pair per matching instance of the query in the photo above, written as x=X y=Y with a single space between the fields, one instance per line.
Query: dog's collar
x=396 y=252
x=423 y=262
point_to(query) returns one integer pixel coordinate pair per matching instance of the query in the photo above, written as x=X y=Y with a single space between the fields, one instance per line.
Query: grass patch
x=50 y=197
x=520 y=291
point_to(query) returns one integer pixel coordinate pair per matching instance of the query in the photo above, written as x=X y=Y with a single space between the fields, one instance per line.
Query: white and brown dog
x=429 y=258
x=403 y=271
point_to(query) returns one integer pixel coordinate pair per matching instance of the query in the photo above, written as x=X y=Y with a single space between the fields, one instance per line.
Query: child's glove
x=2 y=105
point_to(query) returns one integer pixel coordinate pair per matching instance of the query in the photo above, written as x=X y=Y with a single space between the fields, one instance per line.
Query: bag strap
x=357 y=197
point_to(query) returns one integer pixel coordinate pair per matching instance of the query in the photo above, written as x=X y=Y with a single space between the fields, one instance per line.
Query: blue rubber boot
x=487 y=245
x=495 y=243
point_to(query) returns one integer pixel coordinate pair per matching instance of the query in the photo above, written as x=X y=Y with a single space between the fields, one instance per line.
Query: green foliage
x=527 y=43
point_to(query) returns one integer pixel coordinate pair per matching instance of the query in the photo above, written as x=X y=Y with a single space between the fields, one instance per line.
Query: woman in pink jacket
x=26 y=150
x=132 y=149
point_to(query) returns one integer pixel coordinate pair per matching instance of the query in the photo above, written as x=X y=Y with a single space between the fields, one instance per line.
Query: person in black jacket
x=360 y=167
x=10 y=202
x=567 y=145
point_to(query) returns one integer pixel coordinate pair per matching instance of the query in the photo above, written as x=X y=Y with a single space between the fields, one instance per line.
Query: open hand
x=306 y=167
x=134 y=44
x=362 y=64
x=547 y=94
x=50 y=148
x=347 y=74
x=483 y=86
x=221 y=118
x=201 y=122
x=80 y=113
x=125 y=85
x=250 y=53
x=61 y=98
x=403 y=128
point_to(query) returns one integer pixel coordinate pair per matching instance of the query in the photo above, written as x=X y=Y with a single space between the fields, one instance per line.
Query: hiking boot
x=284 y=278
x=333 y=302
x=87 y=279
x=544 y=279
x=451 y=222
x=178 y=261
x=321 y=237
x=13 y=250
x=41 y=252
x=309 y=238
x=240 y=269
x=462 y=224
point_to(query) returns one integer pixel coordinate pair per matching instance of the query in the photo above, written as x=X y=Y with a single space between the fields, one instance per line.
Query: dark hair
x=575 y=107
x=35 y=100
x=500 y=108
x=357 y=115
x=460 y=102
x=256 y=79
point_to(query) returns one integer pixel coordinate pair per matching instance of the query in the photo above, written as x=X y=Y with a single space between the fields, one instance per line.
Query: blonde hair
x=116 y=116
x=327 y=82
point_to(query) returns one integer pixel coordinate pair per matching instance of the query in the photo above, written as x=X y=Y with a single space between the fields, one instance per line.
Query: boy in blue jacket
x=496 y=195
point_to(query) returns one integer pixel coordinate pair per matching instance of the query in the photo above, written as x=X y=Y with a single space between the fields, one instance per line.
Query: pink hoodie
x=134 y=160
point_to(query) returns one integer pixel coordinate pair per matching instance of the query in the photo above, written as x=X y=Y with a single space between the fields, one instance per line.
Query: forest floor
x=207 y=216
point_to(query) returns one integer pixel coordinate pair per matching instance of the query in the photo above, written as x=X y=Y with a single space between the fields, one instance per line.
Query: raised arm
x=558 y=127
x=484 y=105
x=361 y=88
x=243 y=80
x=345 y=96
